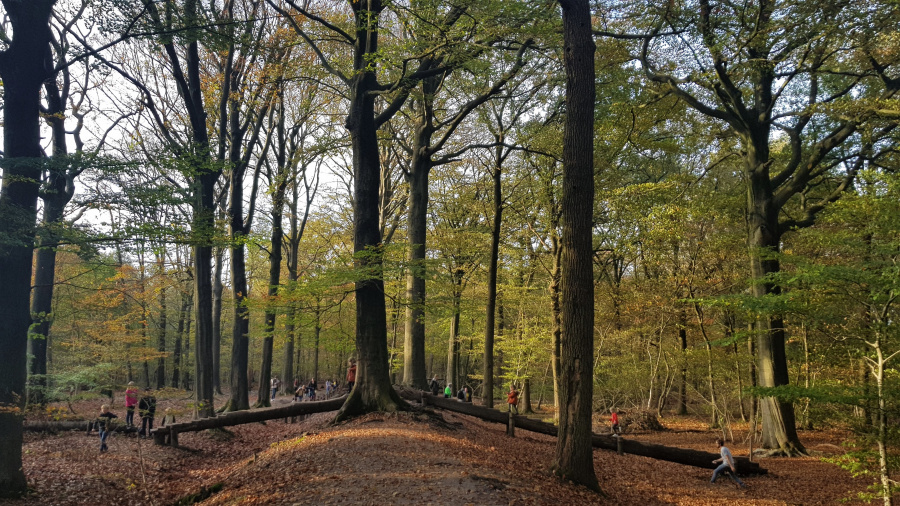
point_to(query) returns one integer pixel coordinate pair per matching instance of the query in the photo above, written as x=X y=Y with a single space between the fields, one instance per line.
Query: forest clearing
x=402 y=221
x=407 y=459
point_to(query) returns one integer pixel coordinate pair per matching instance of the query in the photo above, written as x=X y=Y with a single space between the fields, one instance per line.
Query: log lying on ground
x=171 y=431
x=684 y=456
x=57 y=426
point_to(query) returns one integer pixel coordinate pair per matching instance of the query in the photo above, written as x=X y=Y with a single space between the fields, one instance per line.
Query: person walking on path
x=147 y=410
x=131 y=400
x=275 y=384
x=351 y=376
x=726 y=465
x=104 y=425
x=614 y=421
x=448 y=391
x=512 y=398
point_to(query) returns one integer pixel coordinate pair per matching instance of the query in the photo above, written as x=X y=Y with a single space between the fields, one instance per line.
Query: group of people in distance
x=145 y=406
x=308 y=391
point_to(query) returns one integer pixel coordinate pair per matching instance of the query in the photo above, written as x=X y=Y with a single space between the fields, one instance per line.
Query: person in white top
x=726 y=464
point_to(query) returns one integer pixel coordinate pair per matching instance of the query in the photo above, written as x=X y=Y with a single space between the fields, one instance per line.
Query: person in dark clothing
x=104 y=425
x=435 y=387
x=311 y=388
x=147 y=409
x=461 y=395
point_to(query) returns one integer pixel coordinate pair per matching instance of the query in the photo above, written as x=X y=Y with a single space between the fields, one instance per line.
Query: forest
x=673 y=210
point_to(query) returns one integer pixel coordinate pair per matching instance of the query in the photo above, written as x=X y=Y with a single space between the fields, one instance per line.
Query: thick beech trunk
x=24 y=65
x=574 y=460
x=779 y=425
x=373 y=391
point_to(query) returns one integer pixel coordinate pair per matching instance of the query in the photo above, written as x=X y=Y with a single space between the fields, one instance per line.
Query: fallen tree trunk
x=684 y=456
x=170 y=432
x=57 y=426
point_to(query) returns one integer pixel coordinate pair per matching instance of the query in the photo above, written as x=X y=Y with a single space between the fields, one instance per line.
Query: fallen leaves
x=403 y=459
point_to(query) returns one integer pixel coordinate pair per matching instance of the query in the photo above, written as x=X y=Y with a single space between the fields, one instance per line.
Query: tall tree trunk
x=60 y=187
x=779 y=425
x=24 y=65
x=453 y=344
x=574 y=456
x=217 y=289
x=373 y=390
x=491 y=309
x=161 y=322
x=414 y=342
x=177 y=347
x=556 y=335
x=681 y=409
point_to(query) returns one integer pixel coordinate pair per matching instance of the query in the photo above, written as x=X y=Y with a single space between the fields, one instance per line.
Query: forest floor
x=404 y=459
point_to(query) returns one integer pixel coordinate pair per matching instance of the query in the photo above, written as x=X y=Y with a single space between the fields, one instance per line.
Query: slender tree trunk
x=161 y=323
x=177 y=358
x=491 y=309
x=453 y=344
x=556 y=335
x=574 y=457
x=217 y=289
x=414 y=342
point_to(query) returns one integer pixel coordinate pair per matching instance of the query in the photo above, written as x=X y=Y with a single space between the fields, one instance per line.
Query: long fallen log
x=170 y=432
x=61 y=425
x=684 y=456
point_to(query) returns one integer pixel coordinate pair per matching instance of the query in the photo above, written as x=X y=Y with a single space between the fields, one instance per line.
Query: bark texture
x=574 y=459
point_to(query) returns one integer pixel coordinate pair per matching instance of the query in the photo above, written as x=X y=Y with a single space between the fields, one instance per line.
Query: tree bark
x=217 y=289
x=161 y=322
x=24 y=66
x=414 y=342
x=373 y=391
x=491 y=309
x=574 y=460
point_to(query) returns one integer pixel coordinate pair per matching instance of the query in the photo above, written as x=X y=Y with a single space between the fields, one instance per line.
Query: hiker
x=351 y=376
x=726 y=465
x=468 y=394
x=434 y=386
x=275 y=383
x=311 y=389
x=614 y=421
x=104 y=425
x=147 y=410
x=448 y=391
x=131 y=400
x=300 y=393
x=461 y=395
x=512 y=398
